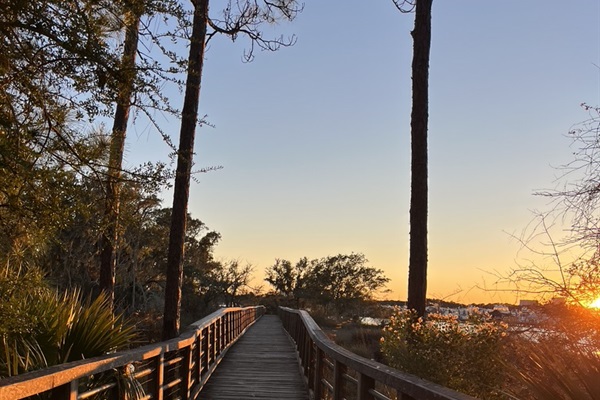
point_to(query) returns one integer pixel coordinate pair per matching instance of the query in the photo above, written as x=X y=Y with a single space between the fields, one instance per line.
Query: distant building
x=528 y=303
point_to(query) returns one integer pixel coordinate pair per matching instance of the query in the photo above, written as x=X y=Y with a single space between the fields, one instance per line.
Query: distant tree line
x=338 y=281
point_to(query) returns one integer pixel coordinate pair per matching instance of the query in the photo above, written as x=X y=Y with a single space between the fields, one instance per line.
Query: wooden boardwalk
x=261 y=365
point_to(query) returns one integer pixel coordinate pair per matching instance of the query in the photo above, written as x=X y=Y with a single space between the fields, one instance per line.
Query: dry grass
x=361 y=340
x=552 y=369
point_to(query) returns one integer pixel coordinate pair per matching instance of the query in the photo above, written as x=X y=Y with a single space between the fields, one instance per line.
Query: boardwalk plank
x=261 y=365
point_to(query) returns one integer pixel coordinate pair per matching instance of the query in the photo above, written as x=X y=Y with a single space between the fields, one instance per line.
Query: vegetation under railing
x=333 y=372
x=177 y=368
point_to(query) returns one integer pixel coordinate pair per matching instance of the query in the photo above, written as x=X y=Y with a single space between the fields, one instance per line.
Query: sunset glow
x=595 y=303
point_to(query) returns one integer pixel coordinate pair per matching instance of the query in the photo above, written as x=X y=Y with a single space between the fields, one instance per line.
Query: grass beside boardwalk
x=360 y=339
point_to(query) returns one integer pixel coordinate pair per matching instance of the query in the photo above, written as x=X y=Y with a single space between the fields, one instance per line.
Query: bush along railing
x=174 y=369
x=332 y=372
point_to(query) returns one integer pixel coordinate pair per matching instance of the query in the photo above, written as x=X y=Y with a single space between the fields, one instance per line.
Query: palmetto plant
x=45 y=328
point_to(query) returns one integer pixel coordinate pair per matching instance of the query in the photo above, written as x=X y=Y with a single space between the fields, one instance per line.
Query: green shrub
x=464 y=356
x=41 y=327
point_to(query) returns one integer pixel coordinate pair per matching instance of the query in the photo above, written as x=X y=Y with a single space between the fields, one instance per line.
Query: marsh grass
x=556 y=369
x=359 y=339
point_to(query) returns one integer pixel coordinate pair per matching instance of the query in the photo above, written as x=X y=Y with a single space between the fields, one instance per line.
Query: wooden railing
x=177 y=368
x=333 y=372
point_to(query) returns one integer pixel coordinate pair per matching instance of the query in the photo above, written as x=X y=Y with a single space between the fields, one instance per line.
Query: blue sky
x=314 y=139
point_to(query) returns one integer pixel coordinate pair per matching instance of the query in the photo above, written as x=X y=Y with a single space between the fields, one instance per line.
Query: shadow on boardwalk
x=261 y=365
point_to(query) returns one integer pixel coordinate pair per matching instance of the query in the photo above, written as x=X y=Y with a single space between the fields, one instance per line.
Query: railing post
x=158 y=376
x=365 y=384
x=186 y=372
x=338 y=382
x=205 y=349
x=211 y=337
x=300 y=346
x=223 y=332
x=224 y=329
x=198 y=357
x=318 y=369
x=307 y=353
x=68 y=391
x=228 y=335
x=231 y=326
x=312 y=364
x=218 y=343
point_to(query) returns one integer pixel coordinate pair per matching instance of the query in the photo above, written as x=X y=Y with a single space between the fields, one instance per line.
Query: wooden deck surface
x=261 y=365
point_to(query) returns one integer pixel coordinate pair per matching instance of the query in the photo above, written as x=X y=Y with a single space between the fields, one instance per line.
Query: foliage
x=15 y=289
x=62 y=68
x=340 y=279
x=343 y=278
x=283 y=277
x=70 y=255
x=566 y=323
x=54 y=52
x=548 y=372
x=65 y=64
x=40 y=188
x=461 y=356
x=558 y=359
x=68 y=252
x=213 y=285
x=288 y=280
x=359 y=339
x=54 y=328
x=66 y=55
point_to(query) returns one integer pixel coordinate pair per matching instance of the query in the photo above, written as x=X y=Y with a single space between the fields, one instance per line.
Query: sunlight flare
x=595 y=303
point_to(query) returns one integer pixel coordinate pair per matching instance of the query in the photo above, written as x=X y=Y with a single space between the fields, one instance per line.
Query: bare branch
x=405 y=6
x=245 y=18
x=577 y=199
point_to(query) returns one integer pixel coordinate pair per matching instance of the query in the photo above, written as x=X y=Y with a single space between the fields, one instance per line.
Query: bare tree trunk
x=112 y=202
x=189 y=120
x=417 y=274
x=117 y=146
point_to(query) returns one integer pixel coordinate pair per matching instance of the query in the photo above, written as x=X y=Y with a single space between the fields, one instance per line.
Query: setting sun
x=595 y=303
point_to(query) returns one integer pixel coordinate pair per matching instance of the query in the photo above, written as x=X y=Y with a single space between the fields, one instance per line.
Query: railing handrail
x=57 y=376
x=369 y=371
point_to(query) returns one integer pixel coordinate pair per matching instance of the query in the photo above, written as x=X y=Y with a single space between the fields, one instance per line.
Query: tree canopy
x=339 y=279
